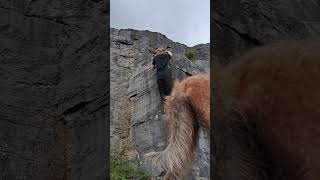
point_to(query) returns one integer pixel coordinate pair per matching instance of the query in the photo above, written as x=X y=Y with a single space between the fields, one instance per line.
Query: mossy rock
x=123 y=169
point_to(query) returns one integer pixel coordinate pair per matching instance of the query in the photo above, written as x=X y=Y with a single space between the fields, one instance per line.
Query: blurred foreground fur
x=266 y=116
x=186 y=108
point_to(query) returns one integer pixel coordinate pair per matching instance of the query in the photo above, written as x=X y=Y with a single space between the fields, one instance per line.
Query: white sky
x=184 y=21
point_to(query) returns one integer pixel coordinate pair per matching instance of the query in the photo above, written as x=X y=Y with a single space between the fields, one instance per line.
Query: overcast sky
x=184 y=21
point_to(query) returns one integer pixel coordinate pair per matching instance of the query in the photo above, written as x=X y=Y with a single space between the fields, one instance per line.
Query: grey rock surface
x=136 y=116
x=53 y=84
x=242 y=24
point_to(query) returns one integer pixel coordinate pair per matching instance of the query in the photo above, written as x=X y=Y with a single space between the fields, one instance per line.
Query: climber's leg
x=168 y=83
x=161 y=86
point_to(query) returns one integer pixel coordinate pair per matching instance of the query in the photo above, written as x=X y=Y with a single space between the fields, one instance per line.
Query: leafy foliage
x=122 y=169
x=190 y=53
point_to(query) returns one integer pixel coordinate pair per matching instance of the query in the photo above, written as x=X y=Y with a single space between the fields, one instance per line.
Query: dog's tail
x=183 y=136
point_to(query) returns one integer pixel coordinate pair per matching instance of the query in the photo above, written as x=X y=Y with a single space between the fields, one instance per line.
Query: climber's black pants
x=164 y=83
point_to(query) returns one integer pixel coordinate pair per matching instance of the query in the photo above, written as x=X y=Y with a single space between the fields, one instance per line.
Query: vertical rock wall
x=53 y=84
x=242 y=24
x=136 y=115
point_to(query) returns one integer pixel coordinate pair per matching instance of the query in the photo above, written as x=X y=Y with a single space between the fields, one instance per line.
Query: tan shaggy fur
x=186 y=108
x=266 y=116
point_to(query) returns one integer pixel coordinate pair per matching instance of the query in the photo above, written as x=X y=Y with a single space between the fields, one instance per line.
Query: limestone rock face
x=239 y=25
x=53 y=84
x=136 y=117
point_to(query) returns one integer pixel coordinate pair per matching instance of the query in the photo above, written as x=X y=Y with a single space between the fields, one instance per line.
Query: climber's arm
x=153 y=65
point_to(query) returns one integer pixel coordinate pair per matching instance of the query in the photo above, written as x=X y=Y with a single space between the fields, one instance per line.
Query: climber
x=164 y=79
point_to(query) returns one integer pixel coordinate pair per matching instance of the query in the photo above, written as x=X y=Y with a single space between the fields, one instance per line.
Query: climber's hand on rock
x=151 y=67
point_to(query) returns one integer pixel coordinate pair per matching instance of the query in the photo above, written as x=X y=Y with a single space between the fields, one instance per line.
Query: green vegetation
x=190 y=53
x=122 y=169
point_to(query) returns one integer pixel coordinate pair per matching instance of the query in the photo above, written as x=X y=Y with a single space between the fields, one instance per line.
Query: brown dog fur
x=266 y=116
x=186 y=108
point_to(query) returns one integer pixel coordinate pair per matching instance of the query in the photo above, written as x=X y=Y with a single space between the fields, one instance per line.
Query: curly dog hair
x=186 y=108
x=266 y=116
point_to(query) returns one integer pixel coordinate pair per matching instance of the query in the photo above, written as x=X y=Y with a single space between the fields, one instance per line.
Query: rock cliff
x=136 y=118
x=240 y=25
x=53 y=84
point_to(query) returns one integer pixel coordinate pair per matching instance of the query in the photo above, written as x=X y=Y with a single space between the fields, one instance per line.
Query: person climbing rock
x=161 y=61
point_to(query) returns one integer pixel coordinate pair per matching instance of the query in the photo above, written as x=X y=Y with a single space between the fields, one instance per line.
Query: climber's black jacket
x=164 y=79
x=161 y=61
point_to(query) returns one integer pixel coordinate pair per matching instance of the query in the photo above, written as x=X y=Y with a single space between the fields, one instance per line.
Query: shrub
x=122 y=169
x=190 y=53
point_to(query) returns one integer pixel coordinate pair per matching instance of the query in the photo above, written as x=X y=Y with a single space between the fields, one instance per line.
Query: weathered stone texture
x=53 y=83
x=136 y=116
